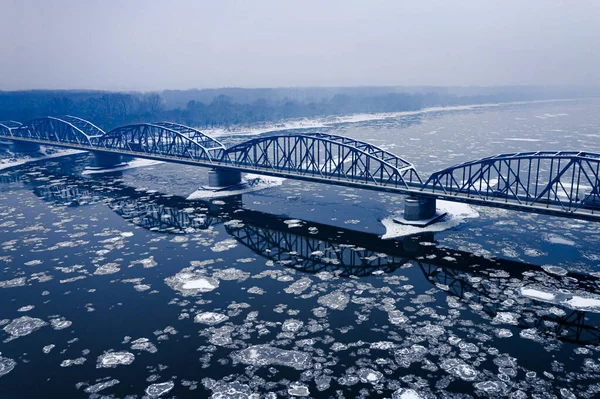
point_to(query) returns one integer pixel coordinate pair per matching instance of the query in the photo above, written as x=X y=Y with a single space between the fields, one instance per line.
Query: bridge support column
x=106 y=160
x=222 y=178
x=24 y=146
x=419 y=211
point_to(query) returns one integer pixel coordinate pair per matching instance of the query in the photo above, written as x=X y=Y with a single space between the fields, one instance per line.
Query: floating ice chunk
x=456 y=214
x=114 y=359
x=231 y=274
x=459 y=369
x=141 y=287
x=15 y=282
x=556 y=239
x=73 y=362
x=264 y=355
x=191 y=283
x=506 y=318
x=291 y=223
x=227 y=390
x=60 y=323
x=397 y=317
x=157 y=390
x=578 y=302
x=46 y=349
x=298 y=389
x=559 y=271
x=146 y=263
x=101 y=386
x=6 y=365
x=109 y=268
x=24 y=325
x=224 y=245
x=143 y=344
x=537 y=294
x=292 y=325
x=201 y=284
x=406 y=393
x=210 y=318
x=370 y=376
x=25 y=308
x=491 y=387
x=336 y=300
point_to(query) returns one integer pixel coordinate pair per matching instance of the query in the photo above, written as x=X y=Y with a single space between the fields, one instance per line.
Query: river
x=116 y=285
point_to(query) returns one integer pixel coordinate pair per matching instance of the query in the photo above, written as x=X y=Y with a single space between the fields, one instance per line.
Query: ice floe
x=264 y=355
x=456 y=213
x=157 y=390
x=114 y=359
x=135 y=163
x=24 y=325
x=6 y=365
x=210 y=318
x=250 y=183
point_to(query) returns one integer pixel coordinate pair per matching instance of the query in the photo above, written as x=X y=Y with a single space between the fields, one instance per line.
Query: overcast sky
x=182 y=44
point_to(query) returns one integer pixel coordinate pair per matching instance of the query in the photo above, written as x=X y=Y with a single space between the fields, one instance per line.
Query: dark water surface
x=117 y=286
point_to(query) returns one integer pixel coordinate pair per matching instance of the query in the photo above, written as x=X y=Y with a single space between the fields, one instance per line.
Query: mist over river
x=116 y=285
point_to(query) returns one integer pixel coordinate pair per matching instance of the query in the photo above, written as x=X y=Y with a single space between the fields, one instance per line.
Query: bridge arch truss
x=163 y=139
x=324 y=156
x=564 y=181
x=68 y=130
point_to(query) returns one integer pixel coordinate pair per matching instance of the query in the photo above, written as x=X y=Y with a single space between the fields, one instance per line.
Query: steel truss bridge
x=557 y=183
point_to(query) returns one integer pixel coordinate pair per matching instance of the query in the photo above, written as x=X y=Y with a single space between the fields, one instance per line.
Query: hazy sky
x=181 y=44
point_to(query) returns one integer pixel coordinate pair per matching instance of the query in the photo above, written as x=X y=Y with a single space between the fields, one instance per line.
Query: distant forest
x=239 y=107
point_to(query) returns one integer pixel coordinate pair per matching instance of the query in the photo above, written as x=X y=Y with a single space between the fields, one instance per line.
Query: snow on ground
x=135 y=163
x=250 y=183
x=456 y=214
x=308 y=123
x=21 y=159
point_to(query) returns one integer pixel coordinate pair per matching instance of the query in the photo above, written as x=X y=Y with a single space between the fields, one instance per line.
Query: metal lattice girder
x=312 y=255
x=162 y=139
x=209 y=143
x=62 y=130
x=323 y=156
x=6 y=127
x=567 y=181
x=157 y=217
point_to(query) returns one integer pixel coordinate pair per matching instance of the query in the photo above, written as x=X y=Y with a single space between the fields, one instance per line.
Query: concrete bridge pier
x=419 y=211
x=106 y=159
x=223 y=178
x=24 y=146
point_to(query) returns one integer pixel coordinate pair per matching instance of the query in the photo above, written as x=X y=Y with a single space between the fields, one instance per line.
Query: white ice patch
x=135 y=163
x=587 y=303
x=456 y=214
x=406 y=393
x=5 y=163
x=224 y=245
x=157 y=390
x=336 y=300
x=24 y=325
x=250 y=184
x=210 y=318
x=6 y=365
x=264 y=355
x=191 y=283
x=556 y=239
x=114 y=359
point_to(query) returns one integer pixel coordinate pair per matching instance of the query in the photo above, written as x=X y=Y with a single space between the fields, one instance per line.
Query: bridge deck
x=568 y=189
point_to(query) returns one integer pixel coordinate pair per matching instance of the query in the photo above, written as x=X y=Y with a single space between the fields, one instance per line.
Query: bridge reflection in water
x=480 y=283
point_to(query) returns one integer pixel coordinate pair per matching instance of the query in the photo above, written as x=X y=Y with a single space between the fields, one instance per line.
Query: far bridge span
x=565 y=183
